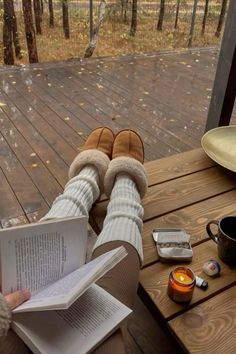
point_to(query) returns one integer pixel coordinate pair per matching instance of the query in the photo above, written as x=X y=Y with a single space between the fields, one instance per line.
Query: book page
x=76 y=330
x=62 y=293
x=36 y=255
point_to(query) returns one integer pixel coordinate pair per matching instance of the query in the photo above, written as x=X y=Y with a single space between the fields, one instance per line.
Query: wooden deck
x=47 y=110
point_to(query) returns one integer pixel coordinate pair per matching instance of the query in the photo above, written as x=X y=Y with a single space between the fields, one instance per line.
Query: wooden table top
x=187 y=190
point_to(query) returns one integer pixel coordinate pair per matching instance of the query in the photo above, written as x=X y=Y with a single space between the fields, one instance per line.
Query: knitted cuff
x=136 y=242
x=5 y=316
x=128 y=165
x=93 y=157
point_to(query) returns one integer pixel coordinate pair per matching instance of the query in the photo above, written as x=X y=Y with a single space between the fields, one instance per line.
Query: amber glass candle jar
x=181 y=284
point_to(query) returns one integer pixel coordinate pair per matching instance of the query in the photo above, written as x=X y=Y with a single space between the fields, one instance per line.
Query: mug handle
x=210 y=233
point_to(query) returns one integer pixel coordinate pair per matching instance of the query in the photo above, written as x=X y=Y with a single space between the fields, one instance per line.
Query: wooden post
x=224 y=90
x=192 y=23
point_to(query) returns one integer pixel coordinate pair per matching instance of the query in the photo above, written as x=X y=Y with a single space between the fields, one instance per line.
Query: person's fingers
x=16 y=298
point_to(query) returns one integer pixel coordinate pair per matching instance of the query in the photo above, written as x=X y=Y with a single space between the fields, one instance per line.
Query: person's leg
x=86 y=177
x=122 y=226
x=86 y=181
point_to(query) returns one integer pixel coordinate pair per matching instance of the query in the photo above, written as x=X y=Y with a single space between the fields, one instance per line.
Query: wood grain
x=154 y=280
x=192 y=218
x=210 y=327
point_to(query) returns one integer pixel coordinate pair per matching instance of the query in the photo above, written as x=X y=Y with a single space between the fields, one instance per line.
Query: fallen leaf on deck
x=67 y=118
x=34 y=165
x=2 y=104
x=33 y=154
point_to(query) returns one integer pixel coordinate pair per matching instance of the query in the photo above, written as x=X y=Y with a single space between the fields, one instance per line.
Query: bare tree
x=125 y=11
x=29 y=31
x=194 y=13
x=7 y=35
x=133 y=25
x=10 y=33
x=65 y=15
x=51 y=13
x=16 y=40
x=93 y=41
x=41 y=7
x=177 y=14
x=37 y=16
x=161 y=15
x=221 y=18
x=205 y=16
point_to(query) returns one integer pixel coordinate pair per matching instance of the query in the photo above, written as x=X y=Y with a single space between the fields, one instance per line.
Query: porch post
x=224 y=90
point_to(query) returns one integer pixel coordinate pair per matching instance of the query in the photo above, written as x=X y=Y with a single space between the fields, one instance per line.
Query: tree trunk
x=133 y=25
x=161 y=15
x=221 y=18
x=37 y=16
x=194 y=13
x=125 y=11
x=177 y=14
x=93 y=42
x=7 y=34
x=15 y=32
x=65 y=13
x=29 y=31
x=41 y=8
x=51 y=13
x=205 y=16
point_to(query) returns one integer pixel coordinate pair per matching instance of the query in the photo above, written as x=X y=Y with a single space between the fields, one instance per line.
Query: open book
x=49 y=259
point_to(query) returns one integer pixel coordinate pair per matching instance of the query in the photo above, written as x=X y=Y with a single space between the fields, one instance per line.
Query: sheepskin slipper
x=102 y=139
x=93 y=157
x=132 y=167
x=128 y=143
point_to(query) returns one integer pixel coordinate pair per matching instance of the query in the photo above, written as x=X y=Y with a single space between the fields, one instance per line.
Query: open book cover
x=49 y=259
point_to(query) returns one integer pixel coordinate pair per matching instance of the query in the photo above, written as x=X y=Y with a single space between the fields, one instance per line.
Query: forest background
x=61 y=29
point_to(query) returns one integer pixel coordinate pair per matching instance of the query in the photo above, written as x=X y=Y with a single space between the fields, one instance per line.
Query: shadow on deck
x=47 y=110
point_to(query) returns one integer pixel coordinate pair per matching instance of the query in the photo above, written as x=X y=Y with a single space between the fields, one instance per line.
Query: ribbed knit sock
x=124 y=215
x=78 y=197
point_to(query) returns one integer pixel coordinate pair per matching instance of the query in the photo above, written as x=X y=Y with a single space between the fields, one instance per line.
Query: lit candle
x=181 y=284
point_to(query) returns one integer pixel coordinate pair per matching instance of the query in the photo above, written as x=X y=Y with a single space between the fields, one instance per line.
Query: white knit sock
x=124 y=215
x=78 y=197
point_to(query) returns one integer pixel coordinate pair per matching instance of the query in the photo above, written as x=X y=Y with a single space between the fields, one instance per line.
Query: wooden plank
x=9 y=221
x=9 y=205
x=35 y=121
x=154 y=280
x=210 y=327
x=98 y=106
x=178 y=165
x=175 y=194
x=121 y=112
x=187 y=190
x=38 y=172
x=192 y=218
x=150 y=337
x=224 y=91
x=58 y=124
x=37 y=215
x=56 y=165
x=26 y=192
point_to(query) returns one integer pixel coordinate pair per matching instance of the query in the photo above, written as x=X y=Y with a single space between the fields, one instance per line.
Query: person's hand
x=17 y=298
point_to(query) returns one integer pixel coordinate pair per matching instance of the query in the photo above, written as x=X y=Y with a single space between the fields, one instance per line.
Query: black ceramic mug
x=225 y=238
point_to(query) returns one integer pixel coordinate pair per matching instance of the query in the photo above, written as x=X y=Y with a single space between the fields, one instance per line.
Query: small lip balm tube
x=201 y=283
x=181 y=284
